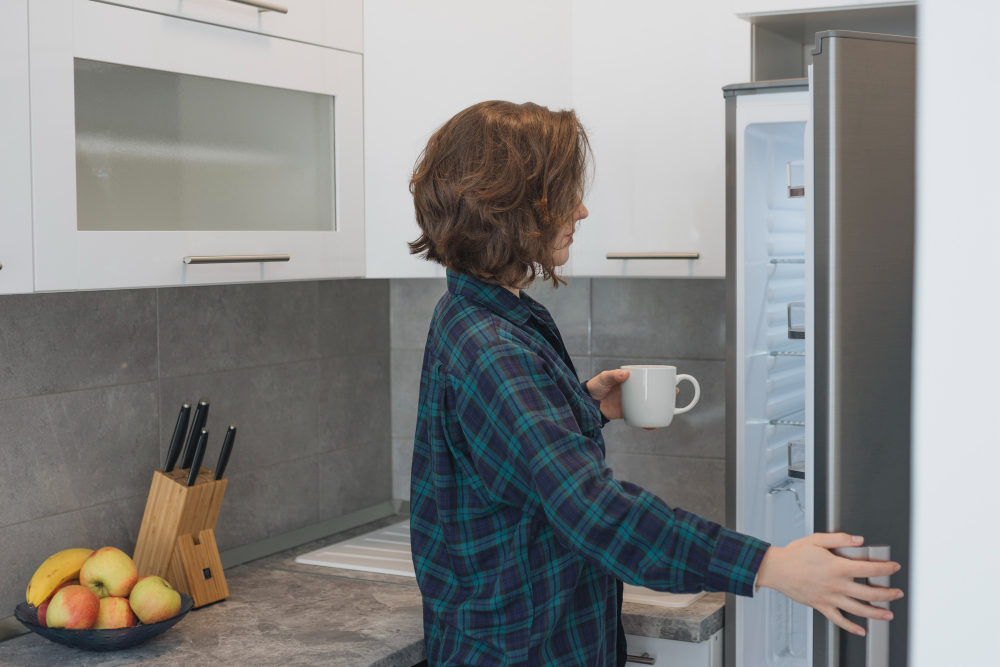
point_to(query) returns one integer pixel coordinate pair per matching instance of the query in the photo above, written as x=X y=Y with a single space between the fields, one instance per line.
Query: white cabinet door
x=15 y=151
x=425 y=62
x=333 y=23
x=647 y=83
x=155 y=138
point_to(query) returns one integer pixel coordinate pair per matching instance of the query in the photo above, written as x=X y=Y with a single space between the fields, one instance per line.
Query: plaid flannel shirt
x=518 y=526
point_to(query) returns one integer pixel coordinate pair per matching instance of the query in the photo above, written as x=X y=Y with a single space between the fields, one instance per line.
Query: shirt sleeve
x=528 y=449
x=604 y=420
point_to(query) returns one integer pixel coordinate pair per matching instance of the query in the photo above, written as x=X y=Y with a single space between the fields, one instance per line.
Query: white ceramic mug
x=649 y=395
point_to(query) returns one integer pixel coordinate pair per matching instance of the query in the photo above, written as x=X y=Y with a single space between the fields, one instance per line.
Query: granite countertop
x=281 y=612
x=694 y=623
x=278 y=613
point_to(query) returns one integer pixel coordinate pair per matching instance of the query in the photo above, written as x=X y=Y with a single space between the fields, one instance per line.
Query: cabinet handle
x=263 y=6
x=643 y=659
x=234 y=259
x=654 y=255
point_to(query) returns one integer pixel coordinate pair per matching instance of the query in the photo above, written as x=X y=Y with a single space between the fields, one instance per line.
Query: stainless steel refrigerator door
x=864 y=106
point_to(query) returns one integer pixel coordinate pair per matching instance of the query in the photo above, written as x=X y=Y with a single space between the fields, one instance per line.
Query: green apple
x=109 y=572
x=153 y=600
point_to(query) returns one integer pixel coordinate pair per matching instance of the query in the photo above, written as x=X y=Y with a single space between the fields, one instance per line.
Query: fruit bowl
x=100 y=640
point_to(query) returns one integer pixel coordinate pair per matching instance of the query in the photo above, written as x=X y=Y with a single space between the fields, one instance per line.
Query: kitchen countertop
x=281 y=612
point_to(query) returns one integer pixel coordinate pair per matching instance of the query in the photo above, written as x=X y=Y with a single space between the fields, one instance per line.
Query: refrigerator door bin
x=796 y=173
x=797 y=458
x=797 y=320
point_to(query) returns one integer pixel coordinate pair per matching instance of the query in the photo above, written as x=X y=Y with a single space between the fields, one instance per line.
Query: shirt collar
x=499 y=300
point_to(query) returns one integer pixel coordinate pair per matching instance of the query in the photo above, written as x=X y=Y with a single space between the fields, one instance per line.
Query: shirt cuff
x=586 y=390
x=735 y=562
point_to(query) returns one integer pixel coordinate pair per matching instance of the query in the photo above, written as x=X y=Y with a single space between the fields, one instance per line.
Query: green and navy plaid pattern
x=519 y=528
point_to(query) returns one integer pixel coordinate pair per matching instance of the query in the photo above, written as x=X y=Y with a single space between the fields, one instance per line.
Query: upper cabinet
x=168 y=151
x=426 y=61
x=647 y=83
x=15 y=152
x=645 y=78
x=333 y=23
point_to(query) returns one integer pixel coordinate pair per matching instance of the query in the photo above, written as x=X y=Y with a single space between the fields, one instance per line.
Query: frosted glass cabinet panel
x=161 y=151
x=157 y=139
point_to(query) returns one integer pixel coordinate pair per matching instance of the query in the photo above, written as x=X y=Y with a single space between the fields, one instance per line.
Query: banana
x=56 y=569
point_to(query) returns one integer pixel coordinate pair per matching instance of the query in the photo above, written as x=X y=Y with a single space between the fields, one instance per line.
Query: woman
x=519 y=529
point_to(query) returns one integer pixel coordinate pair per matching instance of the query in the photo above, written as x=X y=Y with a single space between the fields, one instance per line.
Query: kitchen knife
x=227 y=449
x=178 y=440
x=199 y=456
x=200 y=418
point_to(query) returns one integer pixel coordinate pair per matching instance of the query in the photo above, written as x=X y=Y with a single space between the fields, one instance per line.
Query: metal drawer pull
x=643 y=659
x=263 y=6
x=234 y=259
x=654 y=255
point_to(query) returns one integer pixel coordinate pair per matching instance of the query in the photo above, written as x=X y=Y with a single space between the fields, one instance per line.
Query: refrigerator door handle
x=877 y=637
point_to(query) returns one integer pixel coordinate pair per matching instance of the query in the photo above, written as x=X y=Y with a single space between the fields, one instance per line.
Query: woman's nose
x=582 y=212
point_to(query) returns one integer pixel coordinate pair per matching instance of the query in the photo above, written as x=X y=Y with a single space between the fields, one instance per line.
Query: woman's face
x=565 y=238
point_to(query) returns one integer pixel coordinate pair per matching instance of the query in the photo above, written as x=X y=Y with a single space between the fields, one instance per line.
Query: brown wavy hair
x=495 y=186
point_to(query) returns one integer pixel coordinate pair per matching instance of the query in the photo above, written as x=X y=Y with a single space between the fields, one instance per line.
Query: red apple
x=43 y=608
x=109 y=572
x=74 y=607
x=115 y=613
x=153 y=600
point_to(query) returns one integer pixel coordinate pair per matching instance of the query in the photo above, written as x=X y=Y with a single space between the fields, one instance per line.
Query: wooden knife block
x=177 y=536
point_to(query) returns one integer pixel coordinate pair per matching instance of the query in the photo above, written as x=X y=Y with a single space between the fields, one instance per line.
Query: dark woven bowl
x=100 y=640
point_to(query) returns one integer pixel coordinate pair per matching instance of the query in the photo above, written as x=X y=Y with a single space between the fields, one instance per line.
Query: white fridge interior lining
x=772 y=630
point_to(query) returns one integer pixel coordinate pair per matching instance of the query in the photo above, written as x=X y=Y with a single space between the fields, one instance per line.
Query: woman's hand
x=807 y=572
x=607 y=388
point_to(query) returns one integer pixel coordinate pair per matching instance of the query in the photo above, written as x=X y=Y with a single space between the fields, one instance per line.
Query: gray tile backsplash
x=51 y=343
x=354 y=400
x=413 y=304
x=224 y=327
x=642 y=318
x=607 y=323
x=275 y=409
x=66 y=451
x=91 y=384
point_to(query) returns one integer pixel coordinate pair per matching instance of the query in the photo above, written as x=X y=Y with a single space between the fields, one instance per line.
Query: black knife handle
x=200 y=419
x=227 y=449
x=199 y=456
x=178 y=440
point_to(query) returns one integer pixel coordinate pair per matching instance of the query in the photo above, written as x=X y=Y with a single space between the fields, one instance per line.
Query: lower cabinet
x=672 y=653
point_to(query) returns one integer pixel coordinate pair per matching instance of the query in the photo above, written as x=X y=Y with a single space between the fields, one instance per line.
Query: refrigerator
x=819 y=271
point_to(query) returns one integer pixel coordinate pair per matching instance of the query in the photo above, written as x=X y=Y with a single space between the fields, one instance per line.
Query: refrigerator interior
x=773 y=630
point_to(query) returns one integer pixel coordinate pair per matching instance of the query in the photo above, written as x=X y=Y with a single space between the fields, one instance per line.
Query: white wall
x=519 y=51
x=956 y=455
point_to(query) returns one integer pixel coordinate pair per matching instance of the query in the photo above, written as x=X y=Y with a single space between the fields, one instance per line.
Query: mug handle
x=697 y=394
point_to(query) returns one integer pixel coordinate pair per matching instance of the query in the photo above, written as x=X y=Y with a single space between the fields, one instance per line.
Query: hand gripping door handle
x=877 y=639
x=697 y=394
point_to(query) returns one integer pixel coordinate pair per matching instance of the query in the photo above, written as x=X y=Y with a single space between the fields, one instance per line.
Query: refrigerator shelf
x=788 y=260
x=797 y=418
x=788 y=352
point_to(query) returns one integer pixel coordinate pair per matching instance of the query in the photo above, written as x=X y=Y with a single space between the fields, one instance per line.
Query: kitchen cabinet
x=333 y=23
x=155 y=138
x=425 y=62
x=15 y=152
x=647 y=80
x=673 y=653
